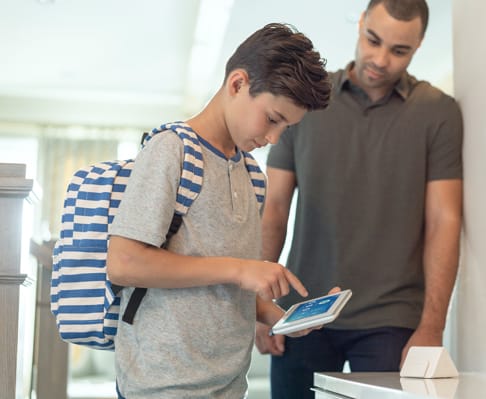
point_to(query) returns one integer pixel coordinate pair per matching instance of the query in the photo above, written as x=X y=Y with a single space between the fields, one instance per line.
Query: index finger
x=295 y=283
x=334 y=290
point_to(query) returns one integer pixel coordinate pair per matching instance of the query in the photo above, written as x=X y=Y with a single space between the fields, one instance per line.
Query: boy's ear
x=236 y=80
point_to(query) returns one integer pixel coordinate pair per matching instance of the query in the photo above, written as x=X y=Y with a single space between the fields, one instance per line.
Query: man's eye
x=400 y=53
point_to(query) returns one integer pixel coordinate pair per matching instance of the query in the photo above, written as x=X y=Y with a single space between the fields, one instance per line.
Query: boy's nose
x=273 y=136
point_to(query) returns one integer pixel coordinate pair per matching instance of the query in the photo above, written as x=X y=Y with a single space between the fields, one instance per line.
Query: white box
x=428 y=362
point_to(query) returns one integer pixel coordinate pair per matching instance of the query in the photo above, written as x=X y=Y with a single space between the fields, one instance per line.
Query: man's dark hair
x=404 y=10
x=282 y=61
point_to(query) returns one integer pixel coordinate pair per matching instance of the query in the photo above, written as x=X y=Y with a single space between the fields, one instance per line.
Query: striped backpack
x=84 y=302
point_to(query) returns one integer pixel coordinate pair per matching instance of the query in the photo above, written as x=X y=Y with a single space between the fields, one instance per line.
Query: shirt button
x=235 y=194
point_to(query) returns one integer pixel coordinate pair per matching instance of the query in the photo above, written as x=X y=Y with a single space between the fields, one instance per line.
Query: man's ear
x=420 y=43
x=361 y=21
x=237 y=79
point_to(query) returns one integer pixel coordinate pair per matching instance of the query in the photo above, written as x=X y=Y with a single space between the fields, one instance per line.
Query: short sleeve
x=445 y=146
x=148 y=203
x=281 y=155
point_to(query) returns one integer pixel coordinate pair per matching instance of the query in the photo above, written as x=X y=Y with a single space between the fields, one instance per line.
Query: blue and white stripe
x=257 y=177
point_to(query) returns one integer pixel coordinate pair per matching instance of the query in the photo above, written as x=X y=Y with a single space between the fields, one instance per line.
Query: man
x=379 y=207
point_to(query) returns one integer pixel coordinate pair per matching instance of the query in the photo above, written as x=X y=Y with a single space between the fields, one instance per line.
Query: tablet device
x=311 y=313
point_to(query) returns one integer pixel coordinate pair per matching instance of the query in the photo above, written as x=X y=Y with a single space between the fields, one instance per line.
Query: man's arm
x=281 y=186
x=443 y=217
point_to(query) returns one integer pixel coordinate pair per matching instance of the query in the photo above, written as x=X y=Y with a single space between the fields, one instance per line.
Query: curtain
x=64 y=150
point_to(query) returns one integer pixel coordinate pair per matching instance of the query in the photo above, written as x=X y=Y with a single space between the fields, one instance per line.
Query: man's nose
x=381 y=58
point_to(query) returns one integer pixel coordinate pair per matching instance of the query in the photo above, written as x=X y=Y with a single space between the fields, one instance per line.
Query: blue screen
x=312 y=308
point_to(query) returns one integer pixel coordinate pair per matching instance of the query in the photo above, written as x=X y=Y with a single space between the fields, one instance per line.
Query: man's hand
x=423 y=336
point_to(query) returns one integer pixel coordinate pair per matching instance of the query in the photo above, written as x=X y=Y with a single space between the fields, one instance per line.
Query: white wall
x=469 y=86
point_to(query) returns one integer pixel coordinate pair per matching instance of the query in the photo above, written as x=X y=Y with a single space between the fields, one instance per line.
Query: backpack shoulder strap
x=189 y=188
x=192 y=165
x=257 y=177
x=192 y=170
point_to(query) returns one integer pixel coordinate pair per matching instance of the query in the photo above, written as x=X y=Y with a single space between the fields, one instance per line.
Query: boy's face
x=385 y=49
x=254 y=122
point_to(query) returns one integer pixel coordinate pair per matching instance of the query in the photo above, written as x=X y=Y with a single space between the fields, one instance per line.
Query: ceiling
x=139 y=63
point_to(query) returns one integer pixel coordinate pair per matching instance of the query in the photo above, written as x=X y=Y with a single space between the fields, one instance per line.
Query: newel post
x=16 y=191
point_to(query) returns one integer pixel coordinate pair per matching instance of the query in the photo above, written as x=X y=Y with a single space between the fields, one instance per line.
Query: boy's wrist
x=233 y=272
x=268 y=312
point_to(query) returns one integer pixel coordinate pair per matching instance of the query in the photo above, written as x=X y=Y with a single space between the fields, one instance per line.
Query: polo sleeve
x=445 y=146
x=281 y=155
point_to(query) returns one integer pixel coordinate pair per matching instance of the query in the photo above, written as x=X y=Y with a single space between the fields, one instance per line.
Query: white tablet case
x=289 y=328
x=428 y=362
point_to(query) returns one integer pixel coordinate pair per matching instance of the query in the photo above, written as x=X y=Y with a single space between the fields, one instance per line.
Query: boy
x=193 y=333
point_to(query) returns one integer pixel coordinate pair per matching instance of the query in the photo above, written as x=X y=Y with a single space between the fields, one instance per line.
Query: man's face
x=384 y=50
x=254 y=122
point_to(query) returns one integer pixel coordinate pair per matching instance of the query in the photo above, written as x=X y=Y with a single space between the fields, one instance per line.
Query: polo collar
x=403 y=86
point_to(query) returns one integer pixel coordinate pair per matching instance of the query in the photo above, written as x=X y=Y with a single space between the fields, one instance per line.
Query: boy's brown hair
x=282 y=61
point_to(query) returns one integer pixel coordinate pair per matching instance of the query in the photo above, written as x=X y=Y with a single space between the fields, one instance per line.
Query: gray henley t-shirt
x=189 y=342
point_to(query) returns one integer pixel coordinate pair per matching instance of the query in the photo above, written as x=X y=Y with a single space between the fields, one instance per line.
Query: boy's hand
x=266 y=344
x=275 y=344
x=269 y=280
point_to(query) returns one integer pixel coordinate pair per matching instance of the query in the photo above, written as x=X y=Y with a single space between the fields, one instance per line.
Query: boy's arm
x=268 y=312
x=132 y=263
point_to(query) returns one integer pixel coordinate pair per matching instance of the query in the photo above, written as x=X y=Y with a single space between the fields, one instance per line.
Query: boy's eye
x=271 y=120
